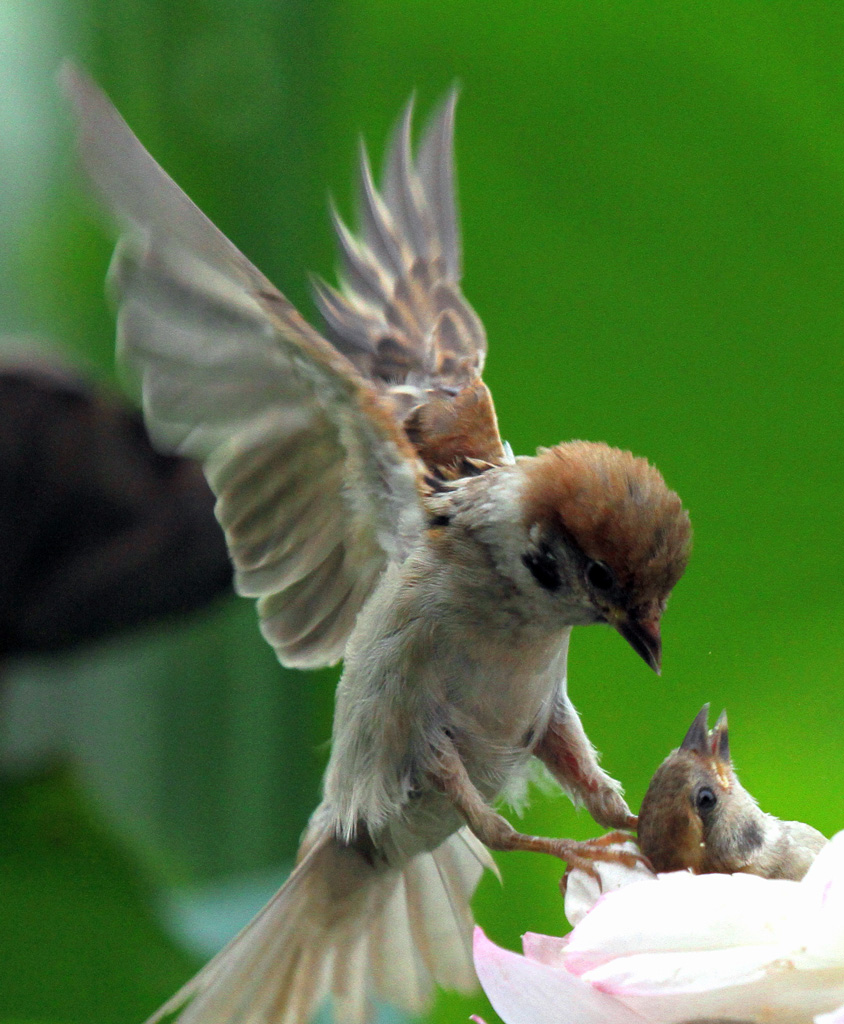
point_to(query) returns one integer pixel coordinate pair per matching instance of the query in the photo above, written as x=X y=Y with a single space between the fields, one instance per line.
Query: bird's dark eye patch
x=705 y=800
x=543 y=567
x=600 y=576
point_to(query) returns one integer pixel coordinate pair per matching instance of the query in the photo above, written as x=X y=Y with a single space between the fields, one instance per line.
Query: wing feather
x=399 y=314
x=436 y=170
x=402 y=274
x=378 y=226
x=403 y=192
x=316 y=484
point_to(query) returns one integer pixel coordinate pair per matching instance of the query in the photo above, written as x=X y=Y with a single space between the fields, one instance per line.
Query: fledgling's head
x=604 y=527
x=696 y=814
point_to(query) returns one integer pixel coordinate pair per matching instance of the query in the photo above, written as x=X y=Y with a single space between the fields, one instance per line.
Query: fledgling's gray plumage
x=697 y=815
x=371 y=506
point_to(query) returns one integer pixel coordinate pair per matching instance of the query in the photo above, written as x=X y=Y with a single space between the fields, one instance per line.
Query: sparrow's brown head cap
x=617 y=508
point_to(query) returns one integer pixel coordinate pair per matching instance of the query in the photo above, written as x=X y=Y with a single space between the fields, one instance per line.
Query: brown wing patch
x=456 y=434
x=617 y=508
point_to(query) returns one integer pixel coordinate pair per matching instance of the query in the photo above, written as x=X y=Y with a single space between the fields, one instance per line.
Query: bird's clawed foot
x=608 y=847
x=612 y=848
x=494 y=831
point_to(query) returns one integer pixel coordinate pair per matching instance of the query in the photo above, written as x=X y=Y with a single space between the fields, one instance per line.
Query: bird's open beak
x=643 y=636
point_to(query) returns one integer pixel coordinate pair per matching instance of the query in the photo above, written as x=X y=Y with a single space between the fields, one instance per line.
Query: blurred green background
x=653 y=217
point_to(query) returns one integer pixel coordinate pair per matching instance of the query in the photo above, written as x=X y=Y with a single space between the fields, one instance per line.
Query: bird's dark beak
x=643 y=636
x=697 y=738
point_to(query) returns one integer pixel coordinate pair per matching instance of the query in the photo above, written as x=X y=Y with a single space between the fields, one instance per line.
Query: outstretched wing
x=400 y=315
x=316 y=483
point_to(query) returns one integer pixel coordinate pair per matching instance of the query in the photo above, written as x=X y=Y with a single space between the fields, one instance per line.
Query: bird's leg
x=494 y=831
x=567 y=753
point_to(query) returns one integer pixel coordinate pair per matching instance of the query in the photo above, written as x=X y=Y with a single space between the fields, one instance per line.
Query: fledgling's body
x=697 y=816
x=372 y=508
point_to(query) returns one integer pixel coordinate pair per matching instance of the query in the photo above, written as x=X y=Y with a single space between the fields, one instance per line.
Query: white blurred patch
x=583 y=890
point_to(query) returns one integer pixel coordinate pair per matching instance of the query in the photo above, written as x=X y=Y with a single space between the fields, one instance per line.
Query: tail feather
x=308 y=985
x=445 y=950
x=399 y=976
x=458 y=886
x=229 y=989
x=346 y=927
x=422 y=908
x=349 y=996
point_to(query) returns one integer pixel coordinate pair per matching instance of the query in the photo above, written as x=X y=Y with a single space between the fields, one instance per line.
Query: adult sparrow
x=371 y=506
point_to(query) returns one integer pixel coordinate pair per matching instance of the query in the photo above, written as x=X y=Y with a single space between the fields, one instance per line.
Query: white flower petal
x=836 y=1017
x=822 y=945
x=584 y=888
x=684 y=912
x=823 y=939
x=525 y=991
x=684 y=948
x=782 y=996
x=827 y=866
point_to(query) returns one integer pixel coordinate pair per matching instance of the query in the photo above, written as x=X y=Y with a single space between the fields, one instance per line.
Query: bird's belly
x=495 y=708
x=410 y=682
x=504 y=692
x=497 y=703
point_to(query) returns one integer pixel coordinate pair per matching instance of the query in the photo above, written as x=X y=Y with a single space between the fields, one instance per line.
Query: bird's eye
x=705 y=800
x=600 y=576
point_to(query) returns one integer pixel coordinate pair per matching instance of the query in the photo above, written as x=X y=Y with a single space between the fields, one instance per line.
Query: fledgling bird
x=372 y=508
x=697 y=815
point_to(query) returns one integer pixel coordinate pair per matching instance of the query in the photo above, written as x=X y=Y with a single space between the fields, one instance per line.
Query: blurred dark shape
x=99 y=532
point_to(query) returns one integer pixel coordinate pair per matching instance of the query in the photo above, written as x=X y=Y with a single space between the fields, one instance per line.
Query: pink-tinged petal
x=782 y=996
x=836 y=1017
x=684 y=912
x=823 y=940
x=584 y=889
x=827 y=867
x=658 y=973
x=545 y=949
x=476 y=1019
x=524 y=991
